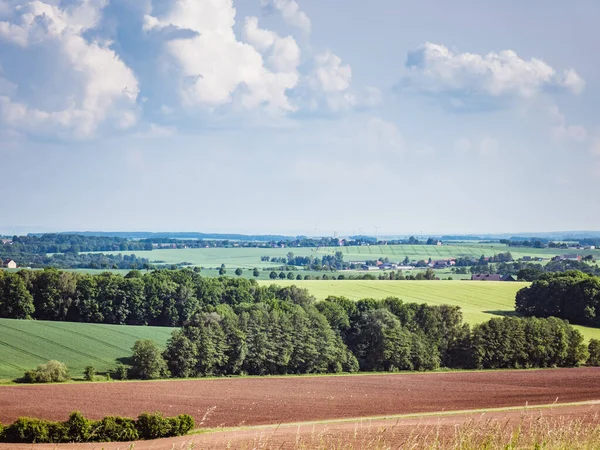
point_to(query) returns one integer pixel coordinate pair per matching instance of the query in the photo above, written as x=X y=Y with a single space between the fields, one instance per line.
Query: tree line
x=572 y=295
x=231 y=326
x=298 y=336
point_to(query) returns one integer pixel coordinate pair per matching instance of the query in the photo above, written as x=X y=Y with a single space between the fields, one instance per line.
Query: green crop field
x=479 y=300
x=26 y=343
x=250 y=257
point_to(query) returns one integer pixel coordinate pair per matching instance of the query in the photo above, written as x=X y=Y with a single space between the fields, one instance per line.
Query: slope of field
x=479 y=300
x=235 y=402
x=250 y=257
x=25 y=344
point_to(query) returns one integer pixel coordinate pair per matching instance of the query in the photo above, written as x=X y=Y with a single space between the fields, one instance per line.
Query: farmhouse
x=572 y=257
x=10 y=264
x=388 y=266
x=508 y=278
x=442 y=264
x=486 y=277
x=6 y=241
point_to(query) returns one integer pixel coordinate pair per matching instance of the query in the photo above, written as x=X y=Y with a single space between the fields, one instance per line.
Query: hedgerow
x=77 y=428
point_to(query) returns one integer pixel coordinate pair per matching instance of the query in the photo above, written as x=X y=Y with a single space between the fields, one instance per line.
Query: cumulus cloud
x=562 y=131
x=330 y=80
x=330 y=83
x=215 y=68
x=385 y=135
x=290 y=11
x=435 y=69
x=86 y=84
x=283 y=53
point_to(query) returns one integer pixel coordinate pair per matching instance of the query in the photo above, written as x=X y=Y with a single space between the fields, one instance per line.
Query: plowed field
x=259 y=401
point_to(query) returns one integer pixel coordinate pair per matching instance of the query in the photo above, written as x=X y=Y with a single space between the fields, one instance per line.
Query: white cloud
x=330 y=75
x=384 y=134
x=154 y=131
x=484 y=146
x=216 y=69
x=94 y=85
x=330 y=80
x=561 y=131
x=434 y=69
x=330 y=83
x=284 y=53
x=291 y=13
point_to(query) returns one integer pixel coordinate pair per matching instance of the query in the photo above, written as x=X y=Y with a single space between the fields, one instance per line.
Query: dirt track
x=259 y=401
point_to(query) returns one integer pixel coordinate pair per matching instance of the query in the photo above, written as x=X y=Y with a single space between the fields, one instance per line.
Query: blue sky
x=299 y=116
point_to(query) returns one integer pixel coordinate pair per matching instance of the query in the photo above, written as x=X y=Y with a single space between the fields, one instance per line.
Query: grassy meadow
x=26 y=343
x=479 y=300
x=248 y=258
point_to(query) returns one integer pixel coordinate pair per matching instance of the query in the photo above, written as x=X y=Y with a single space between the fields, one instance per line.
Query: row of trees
x=298 y=335
x=325 y=262
x=572 y=295
x=234 y=326
x=161 y=297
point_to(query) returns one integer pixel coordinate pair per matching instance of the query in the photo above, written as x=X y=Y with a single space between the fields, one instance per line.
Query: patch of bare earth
x=261 y=401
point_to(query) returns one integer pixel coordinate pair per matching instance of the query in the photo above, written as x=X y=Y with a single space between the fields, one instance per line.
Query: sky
x=299 y=116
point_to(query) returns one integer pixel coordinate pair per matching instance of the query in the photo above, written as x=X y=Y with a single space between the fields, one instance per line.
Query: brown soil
x=260 y=401
x=374 y=434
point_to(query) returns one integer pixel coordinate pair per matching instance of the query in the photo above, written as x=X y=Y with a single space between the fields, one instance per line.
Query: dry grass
x=533 y=430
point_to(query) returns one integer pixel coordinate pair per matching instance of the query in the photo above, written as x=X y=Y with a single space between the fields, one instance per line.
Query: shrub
x=186 y=424
x=58 y=432
x=110 y=429
x=51 y=372
x=594 y=351
x=120 y=372
x=90 y=373
x=154 y=426
x=78 y=427
x=114 y=429
x=27 y=430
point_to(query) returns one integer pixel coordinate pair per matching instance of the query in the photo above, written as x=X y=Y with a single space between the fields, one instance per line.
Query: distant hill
x=177 y=235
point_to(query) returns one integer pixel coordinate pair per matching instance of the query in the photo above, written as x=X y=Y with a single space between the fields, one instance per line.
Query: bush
x=114 y=429
x=27 y=430
x=110 y=429
x=186 y=424
x=120 y=372
x=153 y=426
x=51 y=372
x=90 y=373
x=594 y=351
x=78 y=427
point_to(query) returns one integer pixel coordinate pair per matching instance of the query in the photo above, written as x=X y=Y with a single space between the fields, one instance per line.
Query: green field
x=479 y=300
x=250 y=257
x=26 y=343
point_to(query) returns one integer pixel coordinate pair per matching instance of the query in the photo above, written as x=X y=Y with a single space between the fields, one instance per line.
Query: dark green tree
x=147 y=361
